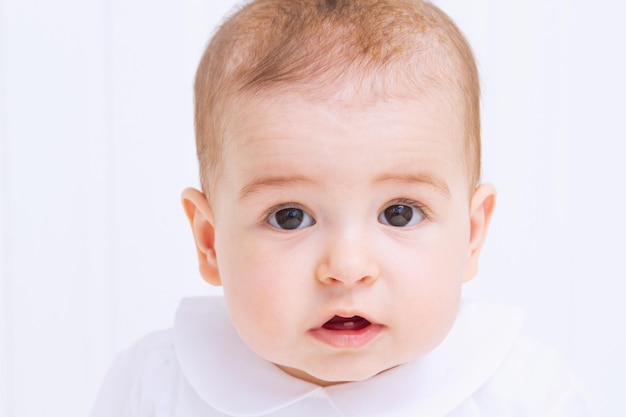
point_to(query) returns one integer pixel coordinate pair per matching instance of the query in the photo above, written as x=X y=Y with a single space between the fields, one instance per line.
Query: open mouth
x=354 y=332
x=346 y=323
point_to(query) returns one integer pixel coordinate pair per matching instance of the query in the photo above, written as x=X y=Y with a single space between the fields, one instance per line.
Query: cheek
x=256 y=265
x=428 y=305
x=431 y=288
x=439 y=254
x=245 y=270
x=261 y=283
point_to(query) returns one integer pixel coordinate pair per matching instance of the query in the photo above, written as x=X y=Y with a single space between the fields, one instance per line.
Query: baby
x=341 y=211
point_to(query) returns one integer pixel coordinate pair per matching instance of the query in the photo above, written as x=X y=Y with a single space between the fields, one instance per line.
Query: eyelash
x=269 y=213
x=411 y=203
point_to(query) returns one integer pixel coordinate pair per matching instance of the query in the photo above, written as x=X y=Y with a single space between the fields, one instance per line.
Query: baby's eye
x=290 y=218
x=400 y=215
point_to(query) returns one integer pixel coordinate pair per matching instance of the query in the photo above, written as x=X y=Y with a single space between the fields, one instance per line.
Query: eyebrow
x=271 y=182
x=286 y=181
x=420 y=178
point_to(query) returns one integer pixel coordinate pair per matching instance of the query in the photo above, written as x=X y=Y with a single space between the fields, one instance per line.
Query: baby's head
x=339 y=149
x=356 y=50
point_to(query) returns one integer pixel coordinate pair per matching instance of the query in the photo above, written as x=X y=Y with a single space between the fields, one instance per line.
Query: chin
x=332 y=377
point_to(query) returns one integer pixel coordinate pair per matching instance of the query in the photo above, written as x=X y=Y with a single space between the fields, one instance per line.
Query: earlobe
x=200 y=217
x=481 y=209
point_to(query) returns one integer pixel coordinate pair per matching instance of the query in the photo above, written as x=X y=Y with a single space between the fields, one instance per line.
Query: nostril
x=365 y=280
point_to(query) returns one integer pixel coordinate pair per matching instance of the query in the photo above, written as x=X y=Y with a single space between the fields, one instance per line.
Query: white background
x=96 y=143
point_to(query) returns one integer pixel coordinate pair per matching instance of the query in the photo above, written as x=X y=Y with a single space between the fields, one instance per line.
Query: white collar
x=231 y=378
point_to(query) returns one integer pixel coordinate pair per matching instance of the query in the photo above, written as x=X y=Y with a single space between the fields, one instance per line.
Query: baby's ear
x=481 y=209
x=200 y=218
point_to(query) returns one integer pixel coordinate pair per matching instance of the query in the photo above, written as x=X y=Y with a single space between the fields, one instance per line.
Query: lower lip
x=347 y=339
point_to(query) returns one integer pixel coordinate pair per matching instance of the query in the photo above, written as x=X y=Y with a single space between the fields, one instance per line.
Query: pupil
x=289 y=218
x=398 y=215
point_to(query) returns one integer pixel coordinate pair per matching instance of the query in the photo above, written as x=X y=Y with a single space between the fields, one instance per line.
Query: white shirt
x=483 y=368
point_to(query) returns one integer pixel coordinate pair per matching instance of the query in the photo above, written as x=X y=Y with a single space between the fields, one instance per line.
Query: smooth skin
x=308 y=220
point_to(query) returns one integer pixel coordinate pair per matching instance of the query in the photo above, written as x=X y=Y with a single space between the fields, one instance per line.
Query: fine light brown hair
x=391 y=48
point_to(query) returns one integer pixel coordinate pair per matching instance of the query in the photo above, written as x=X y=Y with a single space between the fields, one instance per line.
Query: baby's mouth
x=346 y=323
x=352 y=333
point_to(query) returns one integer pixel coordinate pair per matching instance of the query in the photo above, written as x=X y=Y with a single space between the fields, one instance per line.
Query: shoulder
x=153 y=351
x=147 y=373
x=149 y=379
x=155 y=364
x=534 y=380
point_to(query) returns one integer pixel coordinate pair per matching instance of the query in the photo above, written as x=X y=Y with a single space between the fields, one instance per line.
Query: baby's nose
x=347 y=259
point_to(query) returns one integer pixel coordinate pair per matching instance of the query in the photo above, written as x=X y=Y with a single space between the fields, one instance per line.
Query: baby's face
x=343 y=232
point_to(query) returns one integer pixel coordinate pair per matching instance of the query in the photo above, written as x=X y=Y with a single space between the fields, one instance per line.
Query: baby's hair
x=392 y=48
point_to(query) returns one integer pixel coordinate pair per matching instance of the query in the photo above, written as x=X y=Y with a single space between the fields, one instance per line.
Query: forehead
x=340 y=134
